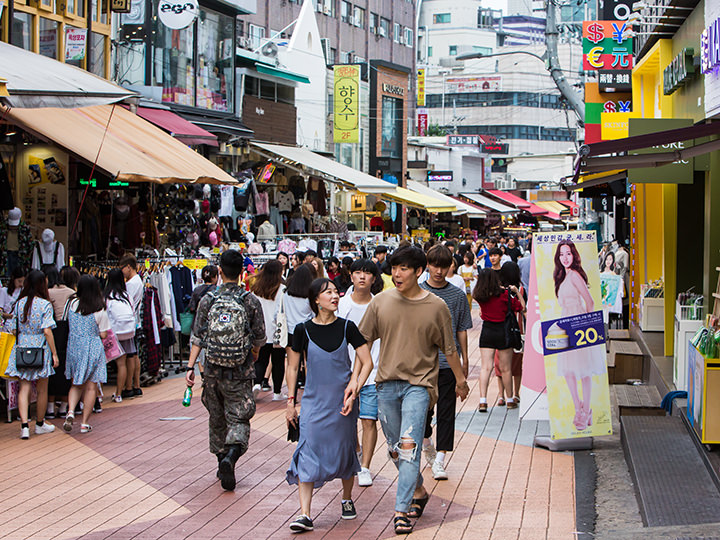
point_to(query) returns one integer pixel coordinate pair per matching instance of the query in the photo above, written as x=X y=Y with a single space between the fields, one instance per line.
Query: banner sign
x=677 y=172
x=605 y=46
x=346 y=103
x=615 y=80
x=422 y=122
x=611 y=291
x=710 y=47
x=461 y=85
x=178 y=14
x=572 y=333
x=75 y=42
x=421 y=88
x=462 y=140
x=679 y=71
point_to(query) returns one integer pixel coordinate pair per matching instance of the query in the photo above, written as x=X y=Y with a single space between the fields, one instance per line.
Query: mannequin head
x=48 y=237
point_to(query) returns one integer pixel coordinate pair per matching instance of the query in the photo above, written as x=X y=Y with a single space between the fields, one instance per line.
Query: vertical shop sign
x=346 y=103
x=572 y=333
x=75 y=42
x=421 y=87
x=605 y=45
x=422 y=122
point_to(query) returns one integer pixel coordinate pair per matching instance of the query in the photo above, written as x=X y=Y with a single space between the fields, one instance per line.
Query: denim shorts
x=368 y=402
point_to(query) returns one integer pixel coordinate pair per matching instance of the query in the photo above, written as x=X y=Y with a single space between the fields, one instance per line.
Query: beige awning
x=462 y=208
x=414 y=199
x=131 y=149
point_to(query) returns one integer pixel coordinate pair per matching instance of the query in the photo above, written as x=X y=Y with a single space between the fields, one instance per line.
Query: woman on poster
x=573 y=293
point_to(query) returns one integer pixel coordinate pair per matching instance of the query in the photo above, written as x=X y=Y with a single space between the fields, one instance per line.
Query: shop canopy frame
x=487 y=202
x=179 y=127
x=519 y=202
x=554 y=209
x=122 y=144
x=414 y=199
x=462 y=208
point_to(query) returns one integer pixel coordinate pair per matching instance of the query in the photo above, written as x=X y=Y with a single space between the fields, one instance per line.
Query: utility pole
x=553 y=62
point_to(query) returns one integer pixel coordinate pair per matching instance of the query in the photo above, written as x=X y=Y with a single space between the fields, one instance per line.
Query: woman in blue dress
x=85 y=364
x=328 y=420
x=32 y=323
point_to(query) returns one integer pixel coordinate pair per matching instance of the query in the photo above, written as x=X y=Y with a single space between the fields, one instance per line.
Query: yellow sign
x=420 y=87
x=195 y=264
x=347 y=104
x=616 y=125
x=358 y=203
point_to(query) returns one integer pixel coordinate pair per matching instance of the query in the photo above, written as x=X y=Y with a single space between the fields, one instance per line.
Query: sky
x=495 y=4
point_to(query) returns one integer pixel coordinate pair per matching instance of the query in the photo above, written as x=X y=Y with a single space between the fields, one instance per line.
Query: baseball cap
x=14 y=216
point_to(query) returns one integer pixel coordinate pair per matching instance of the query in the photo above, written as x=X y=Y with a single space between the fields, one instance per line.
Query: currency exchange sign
x=605 y=45
x=346 y=117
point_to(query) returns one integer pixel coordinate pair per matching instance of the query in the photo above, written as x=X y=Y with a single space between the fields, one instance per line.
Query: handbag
x=294 y=431
x=113 y=349
x=280 y=337
x=28 y=358
x=186 y=322
x=513 y=337
x=7 y=342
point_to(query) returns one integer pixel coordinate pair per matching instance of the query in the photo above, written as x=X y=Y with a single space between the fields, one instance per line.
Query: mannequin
x=16 y=246
x=48 y=252
x=266 y=231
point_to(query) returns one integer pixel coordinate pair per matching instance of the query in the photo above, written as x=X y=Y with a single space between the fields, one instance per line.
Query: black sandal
x=417 y=507
x=402 y=525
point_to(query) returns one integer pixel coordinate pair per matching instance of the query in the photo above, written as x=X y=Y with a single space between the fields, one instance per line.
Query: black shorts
x=493 y=336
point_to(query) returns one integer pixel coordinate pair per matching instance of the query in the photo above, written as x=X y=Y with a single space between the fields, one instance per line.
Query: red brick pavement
x=137 y=477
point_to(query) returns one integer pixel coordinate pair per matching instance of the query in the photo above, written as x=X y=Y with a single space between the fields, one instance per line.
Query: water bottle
x=187 y=396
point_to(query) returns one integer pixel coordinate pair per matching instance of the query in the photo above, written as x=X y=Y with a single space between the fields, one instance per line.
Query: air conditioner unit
x=503 y=181
x=382 y=32
x=245 y=42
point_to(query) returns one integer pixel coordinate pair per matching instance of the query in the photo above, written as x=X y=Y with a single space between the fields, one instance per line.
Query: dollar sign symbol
x=595 y=32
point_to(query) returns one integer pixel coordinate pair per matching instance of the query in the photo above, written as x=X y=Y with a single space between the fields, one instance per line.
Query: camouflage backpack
x=229 y=336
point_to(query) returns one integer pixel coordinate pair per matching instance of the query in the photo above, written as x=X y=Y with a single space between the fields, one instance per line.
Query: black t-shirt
x=328 y=337
x=513 y=253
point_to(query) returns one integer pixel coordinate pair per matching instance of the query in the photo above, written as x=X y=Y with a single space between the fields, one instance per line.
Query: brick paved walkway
x=137 y=476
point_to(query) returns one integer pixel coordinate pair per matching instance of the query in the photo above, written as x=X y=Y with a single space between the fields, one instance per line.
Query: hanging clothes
x=182 y=287
x=297 y=187
x=160 y=282
x=316 y=195
x=151 y=318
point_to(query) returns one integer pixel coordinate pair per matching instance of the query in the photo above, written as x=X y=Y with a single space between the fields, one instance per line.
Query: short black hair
x=381 y=249
x=209 y=273
x=317 y=287
x=470 y=255
x=363 y=265
x=409 y=256
x=510 y=274
x=495 y=251
x=440 y=256
x=231 y=264
x=310 y=253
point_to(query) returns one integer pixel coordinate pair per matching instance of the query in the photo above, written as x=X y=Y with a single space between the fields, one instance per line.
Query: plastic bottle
x=187 y=396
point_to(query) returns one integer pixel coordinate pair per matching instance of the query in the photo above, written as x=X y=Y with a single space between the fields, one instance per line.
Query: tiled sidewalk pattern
x=136 y=476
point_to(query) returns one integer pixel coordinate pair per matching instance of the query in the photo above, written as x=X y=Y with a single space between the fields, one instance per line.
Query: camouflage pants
x=230 y=404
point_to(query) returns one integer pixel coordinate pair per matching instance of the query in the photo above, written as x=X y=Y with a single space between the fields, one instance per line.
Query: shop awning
x=33 y=80
x=487 y=202
x=519 y=202
x=569 y=204
x=419 y=200
x=131 y=149
x=588 y=181
x=462 y=208
x=329 y=168
x=181 y=129
x=554 y=209
x=282 y=73
x=228 y=125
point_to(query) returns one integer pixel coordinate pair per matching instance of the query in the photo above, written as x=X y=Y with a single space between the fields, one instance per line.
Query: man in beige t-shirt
x=412 y=324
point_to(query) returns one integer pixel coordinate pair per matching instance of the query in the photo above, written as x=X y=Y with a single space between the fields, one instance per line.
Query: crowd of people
x=381 y=339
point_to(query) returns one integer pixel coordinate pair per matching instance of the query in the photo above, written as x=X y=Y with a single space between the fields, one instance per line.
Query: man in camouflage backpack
x=229 y=325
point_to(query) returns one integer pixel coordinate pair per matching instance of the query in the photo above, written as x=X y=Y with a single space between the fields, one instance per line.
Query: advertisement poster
x=611 y=291
x=346 y=104
x=572 y=333
x=75 y=41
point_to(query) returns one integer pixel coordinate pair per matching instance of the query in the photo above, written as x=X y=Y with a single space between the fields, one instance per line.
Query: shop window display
x=48 y=38
x=215 y=61
x=173 y=63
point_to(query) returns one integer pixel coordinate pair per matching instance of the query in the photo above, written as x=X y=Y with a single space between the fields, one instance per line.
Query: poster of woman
x=573 y=334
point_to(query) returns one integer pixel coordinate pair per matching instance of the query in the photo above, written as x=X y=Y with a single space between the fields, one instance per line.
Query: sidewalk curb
x=585 y=483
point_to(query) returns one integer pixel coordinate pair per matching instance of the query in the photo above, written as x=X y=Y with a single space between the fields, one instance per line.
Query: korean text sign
x=346 y=103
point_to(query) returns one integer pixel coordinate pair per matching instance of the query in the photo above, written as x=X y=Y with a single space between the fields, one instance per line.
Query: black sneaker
x=348 y=510
x=265 y=386
x=137 y=392
x=127 y=394
x=97 y=408
x=301 y=524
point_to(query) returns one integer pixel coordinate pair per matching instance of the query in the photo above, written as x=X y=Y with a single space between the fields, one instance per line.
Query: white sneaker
x=256 y=390
x=25 y=433
x=430 y=454
x=45 y=428
x=279 y=397
x=364 y=478
x=438 y=471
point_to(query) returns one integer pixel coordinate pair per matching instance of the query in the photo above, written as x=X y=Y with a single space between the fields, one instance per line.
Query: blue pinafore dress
x=328 y=440
x=85 y=359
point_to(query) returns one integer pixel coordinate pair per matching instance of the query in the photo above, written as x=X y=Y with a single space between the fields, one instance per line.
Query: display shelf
x=703 y=410
x=652 y=314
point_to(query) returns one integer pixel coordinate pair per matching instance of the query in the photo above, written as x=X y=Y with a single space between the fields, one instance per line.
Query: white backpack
x=122 y=318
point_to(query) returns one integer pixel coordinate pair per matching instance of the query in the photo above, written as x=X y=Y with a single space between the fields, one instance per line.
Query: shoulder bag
x=513 y=337
x=27 y=358
x=280 y=337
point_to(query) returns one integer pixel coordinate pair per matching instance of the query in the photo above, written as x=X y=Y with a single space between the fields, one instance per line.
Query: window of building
x=392 y=124
x=441 y=18
x=97 y=56
x=408 y=37
x=374 y=22
x=358 y=60
x=48 y=5
x=100 y=10
x=345 y=11
x=239 y=29
x=256 y=35
x=345 y=57
x=429 y=52
x=384 y=27
x=75 y=7
x=173 y=64
x=328 y=7
x=453 y=50
x=332 y=55
x=359 y=17
x=48 y=38
x=397 y=32
x=22 y=30
x=269 y=90
x=215 y=61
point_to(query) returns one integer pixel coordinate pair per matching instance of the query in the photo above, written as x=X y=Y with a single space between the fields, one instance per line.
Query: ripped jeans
x=403 y=409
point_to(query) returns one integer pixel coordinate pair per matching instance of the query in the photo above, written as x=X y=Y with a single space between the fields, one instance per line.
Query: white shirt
x=101 y=317
x=347 y=309
x=7 y=301
x=270 y=309
x=458 y=281
x=134 y=288
x=297 y=310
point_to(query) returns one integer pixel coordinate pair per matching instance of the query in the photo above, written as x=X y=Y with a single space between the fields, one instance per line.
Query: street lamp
x=474 y=55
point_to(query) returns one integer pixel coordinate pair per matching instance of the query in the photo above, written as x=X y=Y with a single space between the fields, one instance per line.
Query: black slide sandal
x=417 y=506
x=402 y=525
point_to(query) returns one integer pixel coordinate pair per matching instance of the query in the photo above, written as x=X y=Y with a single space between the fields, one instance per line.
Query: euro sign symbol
x=594 y=57
x=595 y=32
